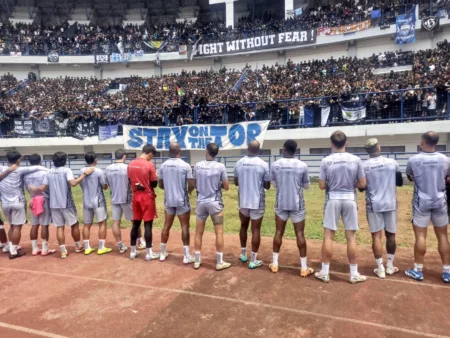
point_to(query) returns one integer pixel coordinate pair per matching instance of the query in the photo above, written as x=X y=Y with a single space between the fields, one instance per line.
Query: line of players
x=133 y=196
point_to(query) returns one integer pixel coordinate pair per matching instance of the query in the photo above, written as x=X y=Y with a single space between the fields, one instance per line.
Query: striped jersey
x=12 y=186
x=209 y=176
x=117 y=179
x=381 y=190
x=60 y=191
x=175 y=173
x=289 y=176
x=92 y=186
x=341 y=171
x=252 y=172
x=429 y=171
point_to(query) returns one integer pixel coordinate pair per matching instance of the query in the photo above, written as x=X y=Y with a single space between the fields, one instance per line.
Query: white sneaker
x=154 y=255
x=197 y=264
x=188 y=260
x=380 y=273
x=163 y=256
x=391 y=271
x=323 y=278
x=5 y=249
x=357 y=279
x=133 y=255
x=222 y=266
x=142 y=246
x=123 y=249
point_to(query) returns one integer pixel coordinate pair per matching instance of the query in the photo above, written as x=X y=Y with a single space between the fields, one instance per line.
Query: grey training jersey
x=12 y=186
x=341 y=171
x=36 y=180
x=60 y=191
x=117 y=179
x=381 y=194
x=289 y=175
x=429 y=171
x=175 y=173
x=252 y=172
x=209 y=176
x=92 y=186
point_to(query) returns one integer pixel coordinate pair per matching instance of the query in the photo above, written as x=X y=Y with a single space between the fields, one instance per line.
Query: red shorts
x=144 y=207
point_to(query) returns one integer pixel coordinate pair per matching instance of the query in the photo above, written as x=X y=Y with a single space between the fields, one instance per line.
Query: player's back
x=117 y=179
x=92 y=186
x=341 y=171
x=381 y=187
x=36 y=179
x=175 y=174
x=208 y=177
x=12 y=186
x=252 y=172
x=429 y=171
x=59 y=188
x=289 y=176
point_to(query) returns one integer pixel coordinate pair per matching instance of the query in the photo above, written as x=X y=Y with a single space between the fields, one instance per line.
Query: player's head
x=338 y=140
x=372 y=147
x=59 y=159
x=13 y=157
x=148 y=151
x=35 y=159
x=174 y=150
x=429 y=140
x=212 y=150
x=91 y=158
x=289 y=147
x=120 y=154
x=254 y=148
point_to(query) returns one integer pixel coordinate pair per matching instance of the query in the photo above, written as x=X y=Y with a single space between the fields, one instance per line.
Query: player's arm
x=398 y=176
x=103 y=181
x=161 y=184
x=305 y=181
x=37 y=190
x=323 y=176
x=153 y=177
x=75 y=181
x=190 y=179
x=8 y=171
x=409 y=171
x=161 y=177
x=266 y=178
x=361 y=182
x=236 y=177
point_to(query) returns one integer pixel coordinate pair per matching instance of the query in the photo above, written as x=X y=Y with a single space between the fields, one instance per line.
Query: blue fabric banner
x=309 y=117
x=376 y=13
x=406 y=29
x=107 y=131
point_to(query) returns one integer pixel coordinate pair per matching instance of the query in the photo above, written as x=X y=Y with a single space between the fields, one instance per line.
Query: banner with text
x=285 y=39
x=355 y=27
x=353 y=113
x=23 y=127
x=406 y=29
x=196 y=137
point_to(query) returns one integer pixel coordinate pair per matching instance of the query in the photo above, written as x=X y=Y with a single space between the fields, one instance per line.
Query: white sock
x=446 y=269
x=390 y=261
x=86 y=244
x=418 y=267
x=13 y=249
x=44 y=245
x=303 y=263
x=78 y=245
x=5 y=247
x=275 y=258
x=197 y=256
x=120 y=245
x=380 y=264
x=63 y=248
x=187 y=254
x=148 y=251
x=133 y=249
x=219 y=256
x=163 y=248
x=34 y=245
x=325 y=269
x=101 y=244
x=254 y=255
x=354 y=270
x=10 y=244
x=244 y=251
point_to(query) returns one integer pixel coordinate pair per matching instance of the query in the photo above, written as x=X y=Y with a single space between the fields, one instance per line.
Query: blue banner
x=376 y=13
x=309 y=117
x=107 y=131
x=196 y=137
x=406 y=29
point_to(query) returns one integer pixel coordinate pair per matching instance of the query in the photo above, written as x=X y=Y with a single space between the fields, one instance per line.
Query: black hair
x=90 y=157
x=59 y=159
x=34 y=159
x=119 y=154
x=149 y=148
x=290 y=146
x=213 y=149
x=13 y=156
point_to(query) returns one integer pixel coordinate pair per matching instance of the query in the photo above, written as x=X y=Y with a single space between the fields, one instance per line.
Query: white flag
x=325 y=115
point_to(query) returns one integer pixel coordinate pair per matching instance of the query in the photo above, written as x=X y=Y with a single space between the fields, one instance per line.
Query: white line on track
x=231 y=300
x=31 y=331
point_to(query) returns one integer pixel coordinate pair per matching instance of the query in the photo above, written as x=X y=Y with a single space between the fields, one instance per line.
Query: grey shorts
x=382 y=221
x=254 y=214
x=295 y=216
x=421 y=218
x=208 y=209
x=100 y=214
x=334 y=209
x=15 y=214
x=63 y=216
x=178 y=210
x=43 y=219
x=122 y=209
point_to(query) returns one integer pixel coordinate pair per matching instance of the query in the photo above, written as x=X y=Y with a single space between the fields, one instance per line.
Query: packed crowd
x=83 y=39
x=204 y=96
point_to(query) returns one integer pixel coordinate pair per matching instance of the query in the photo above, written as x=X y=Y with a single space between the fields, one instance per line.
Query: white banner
x=353 y=114
x=196 y=137
x=325 y=115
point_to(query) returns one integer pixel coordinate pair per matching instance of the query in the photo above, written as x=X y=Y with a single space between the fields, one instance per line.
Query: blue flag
x=376 y=13
x=107 y=131
x=309 y=117
x=406 y=29
x=239 y=82
x=298 y=11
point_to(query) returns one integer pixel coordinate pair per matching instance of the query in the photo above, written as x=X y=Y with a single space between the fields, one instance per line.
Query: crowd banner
x=182 y=49
x=15 y=54
x=430 y=23
x=107 y=131
x=45 y=126
x=101 y=58
x=352 y=113
x=23 y=127
x=196 y=137
x=53 y=56
x=121 y=57
x=284 y=39
x=355 y=27
x=406 y=29
x=84 y=128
